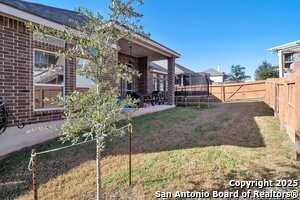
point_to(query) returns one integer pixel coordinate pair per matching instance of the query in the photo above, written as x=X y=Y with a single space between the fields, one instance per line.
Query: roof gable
x=179 y=69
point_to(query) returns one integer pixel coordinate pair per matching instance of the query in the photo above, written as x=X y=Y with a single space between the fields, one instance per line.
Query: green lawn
x=178 y=149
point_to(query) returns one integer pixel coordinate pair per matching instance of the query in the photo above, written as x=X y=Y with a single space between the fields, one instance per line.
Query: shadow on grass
x=223 y=124
x=180 y=128
x=15 y=178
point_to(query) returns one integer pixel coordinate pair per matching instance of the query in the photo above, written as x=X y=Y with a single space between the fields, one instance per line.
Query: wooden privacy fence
x=229 y=91
x=239 y=91
x=283 y=95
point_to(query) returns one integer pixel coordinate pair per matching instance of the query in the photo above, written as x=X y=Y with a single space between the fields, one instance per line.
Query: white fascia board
x=145 y=42
x=285 y=46
x=159 y=72
x=25 y=16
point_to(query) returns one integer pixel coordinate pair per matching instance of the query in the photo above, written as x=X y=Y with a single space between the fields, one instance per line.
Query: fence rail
x=283 y=95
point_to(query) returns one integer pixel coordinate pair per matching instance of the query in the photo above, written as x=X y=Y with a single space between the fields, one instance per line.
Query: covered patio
x=138 y=54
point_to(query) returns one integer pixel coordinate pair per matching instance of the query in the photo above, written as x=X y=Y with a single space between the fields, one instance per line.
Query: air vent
x=49 y=40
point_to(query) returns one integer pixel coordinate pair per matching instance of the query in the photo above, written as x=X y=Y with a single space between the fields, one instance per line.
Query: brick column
x=145 y=83
x=171 y=81
x=70 y=73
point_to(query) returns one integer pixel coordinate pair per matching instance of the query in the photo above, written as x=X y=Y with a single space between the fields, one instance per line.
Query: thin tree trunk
x=98 y=164
x=98 y=159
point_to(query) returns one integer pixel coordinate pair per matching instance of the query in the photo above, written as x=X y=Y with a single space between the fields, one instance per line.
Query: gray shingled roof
x=184 y=69
x=158 y=67
x=213 y=72
x=58 y=15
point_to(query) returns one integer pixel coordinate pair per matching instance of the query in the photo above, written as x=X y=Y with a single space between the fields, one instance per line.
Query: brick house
x=24 y=84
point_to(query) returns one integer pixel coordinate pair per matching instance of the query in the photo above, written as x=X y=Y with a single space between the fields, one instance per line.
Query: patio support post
x=171 y=81
x=281 y=61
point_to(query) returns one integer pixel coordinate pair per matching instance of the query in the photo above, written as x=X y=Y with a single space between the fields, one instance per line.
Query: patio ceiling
x=140 y=49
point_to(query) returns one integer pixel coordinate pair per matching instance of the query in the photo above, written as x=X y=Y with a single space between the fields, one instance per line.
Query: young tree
x=96 y=38
x=265 y=70
x=237 y=74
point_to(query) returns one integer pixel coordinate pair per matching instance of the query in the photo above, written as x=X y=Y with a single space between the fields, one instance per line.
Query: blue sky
x=208 y=33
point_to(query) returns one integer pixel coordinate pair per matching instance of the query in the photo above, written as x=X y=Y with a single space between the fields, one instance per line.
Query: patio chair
x=158 y=97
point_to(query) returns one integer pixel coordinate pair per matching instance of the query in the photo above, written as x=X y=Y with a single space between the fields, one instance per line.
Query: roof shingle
x=58 y=15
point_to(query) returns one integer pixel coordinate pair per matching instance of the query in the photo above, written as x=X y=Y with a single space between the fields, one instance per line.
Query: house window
x=162 y=82
x=82 y=81
x=159 y=82
x=155 y=82
x=49 y=75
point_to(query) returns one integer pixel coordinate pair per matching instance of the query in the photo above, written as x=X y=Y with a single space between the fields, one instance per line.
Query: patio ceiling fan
x=130 y=64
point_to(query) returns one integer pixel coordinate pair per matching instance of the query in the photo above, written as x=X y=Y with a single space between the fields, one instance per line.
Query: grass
x=178 y=149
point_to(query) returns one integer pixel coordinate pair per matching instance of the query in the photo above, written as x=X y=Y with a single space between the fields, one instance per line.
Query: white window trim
x=81 y=86
x=84 y=87
x=35 y=36
x=50 y=85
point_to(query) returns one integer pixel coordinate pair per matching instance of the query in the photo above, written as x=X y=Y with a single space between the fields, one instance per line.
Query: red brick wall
x=16 y=71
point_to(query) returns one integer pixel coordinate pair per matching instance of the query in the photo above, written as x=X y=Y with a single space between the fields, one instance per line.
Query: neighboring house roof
x=157 y=68
x=184 y=70
x=213 y=72
x=292 y=46
x=179 y=69
x=61 y=16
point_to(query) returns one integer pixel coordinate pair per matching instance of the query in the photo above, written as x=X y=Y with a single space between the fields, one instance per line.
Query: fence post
x=284 y=105
x=34 y=182
x=130 y=137
x=297 y=110
x=223 y=93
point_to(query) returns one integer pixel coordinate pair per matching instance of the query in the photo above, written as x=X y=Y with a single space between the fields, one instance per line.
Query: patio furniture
x=158 y=97
x=149 y=99
x=139 y=97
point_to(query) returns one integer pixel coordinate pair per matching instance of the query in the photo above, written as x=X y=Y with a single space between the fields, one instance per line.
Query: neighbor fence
x=283 y=95
x=239 y=91
x=229 y=91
